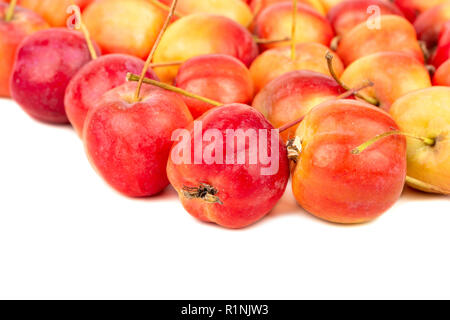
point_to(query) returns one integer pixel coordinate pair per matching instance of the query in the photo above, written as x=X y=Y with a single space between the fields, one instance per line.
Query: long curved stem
x=294 y=29
x=134 y=77
x=155 y=46
x=329 y=58
x=10 y=12
x=365 y=145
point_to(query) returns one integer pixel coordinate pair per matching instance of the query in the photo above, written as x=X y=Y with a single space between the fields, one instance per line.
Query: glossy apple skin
x=218 y=77
x=442 y=52
x=292 y=95
x=335 y=185
x=348 y=14
x=24 y=23
x=413 y=8
x=426 y=113
x=275 y=62
x=236 y=10
x=395 y=34
x=258 y=5
x=129 y=27
x=442 y=75
x=93 y=80
x=199 y=34
x=430 y=23
x=128 y=143
x=275 y=22
x=247 y=195
x=45 y=63
x=53 y=11
x=393 y=74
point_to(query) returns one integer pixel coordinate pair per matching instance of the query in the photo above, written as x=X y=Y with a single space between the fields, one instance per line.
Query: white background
x=65 y=234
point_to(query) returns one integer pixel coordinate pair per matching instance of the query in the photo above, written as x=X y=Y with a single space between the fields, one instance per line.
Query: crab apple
x=393 y=74
x=23 y=23
x=236 y=10
x=395 y=34
x=332 y=183
x=239 y=176
x=199 y=34
x=442 y=75
x=218 y=77
x=426 y=113
x=412 y=8
x=128 y=142
x=45 y=63
x=430 y=23
x=53 y=11
x=293 y=95
x=258 y=5
x=442 y=52
x=129 y=27
x=275 y=62
x=275 y=22
x=93 y=80
x=350 y=13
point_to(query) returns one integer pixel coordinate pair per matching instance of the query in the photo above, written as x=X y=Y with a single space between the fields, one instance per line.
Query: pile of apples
x=358 y=91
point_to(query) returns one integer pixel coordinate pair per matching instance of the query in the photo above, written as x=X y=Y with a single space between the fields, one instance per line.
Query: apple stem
x=428 y=141
x=270 y=41
x=152 y=52
x=342 y=96
x=164 y=7
x=426 y=186
x=134 y=77
x=166 y=64
x=81 y=26
x=10 y=12
x=204 y=192
x=294 y=29
x=329 y=58
x=425 y=51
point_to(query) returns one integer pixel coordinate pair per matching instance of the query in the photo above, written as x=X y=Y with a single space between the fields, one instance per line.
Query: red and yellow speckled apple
x=275 y=22
x=293 y=95
x=332 y=183
x=197 y=34
x=15 y=24
x=395 y=34
x=93 y=80
x=128 y=141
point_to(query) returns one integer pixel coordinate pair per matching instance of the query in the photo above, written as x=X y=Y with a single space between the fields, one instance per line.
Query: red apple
x=430 y=23
x=128 y=142
x=350 y=13
x=46 y=61
x=442 y=75
x=23 y=23
x=395 y=34
x=275 y=22
x=332 y=183
x=231 y=184
x=93 y=80
x=218 y=77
